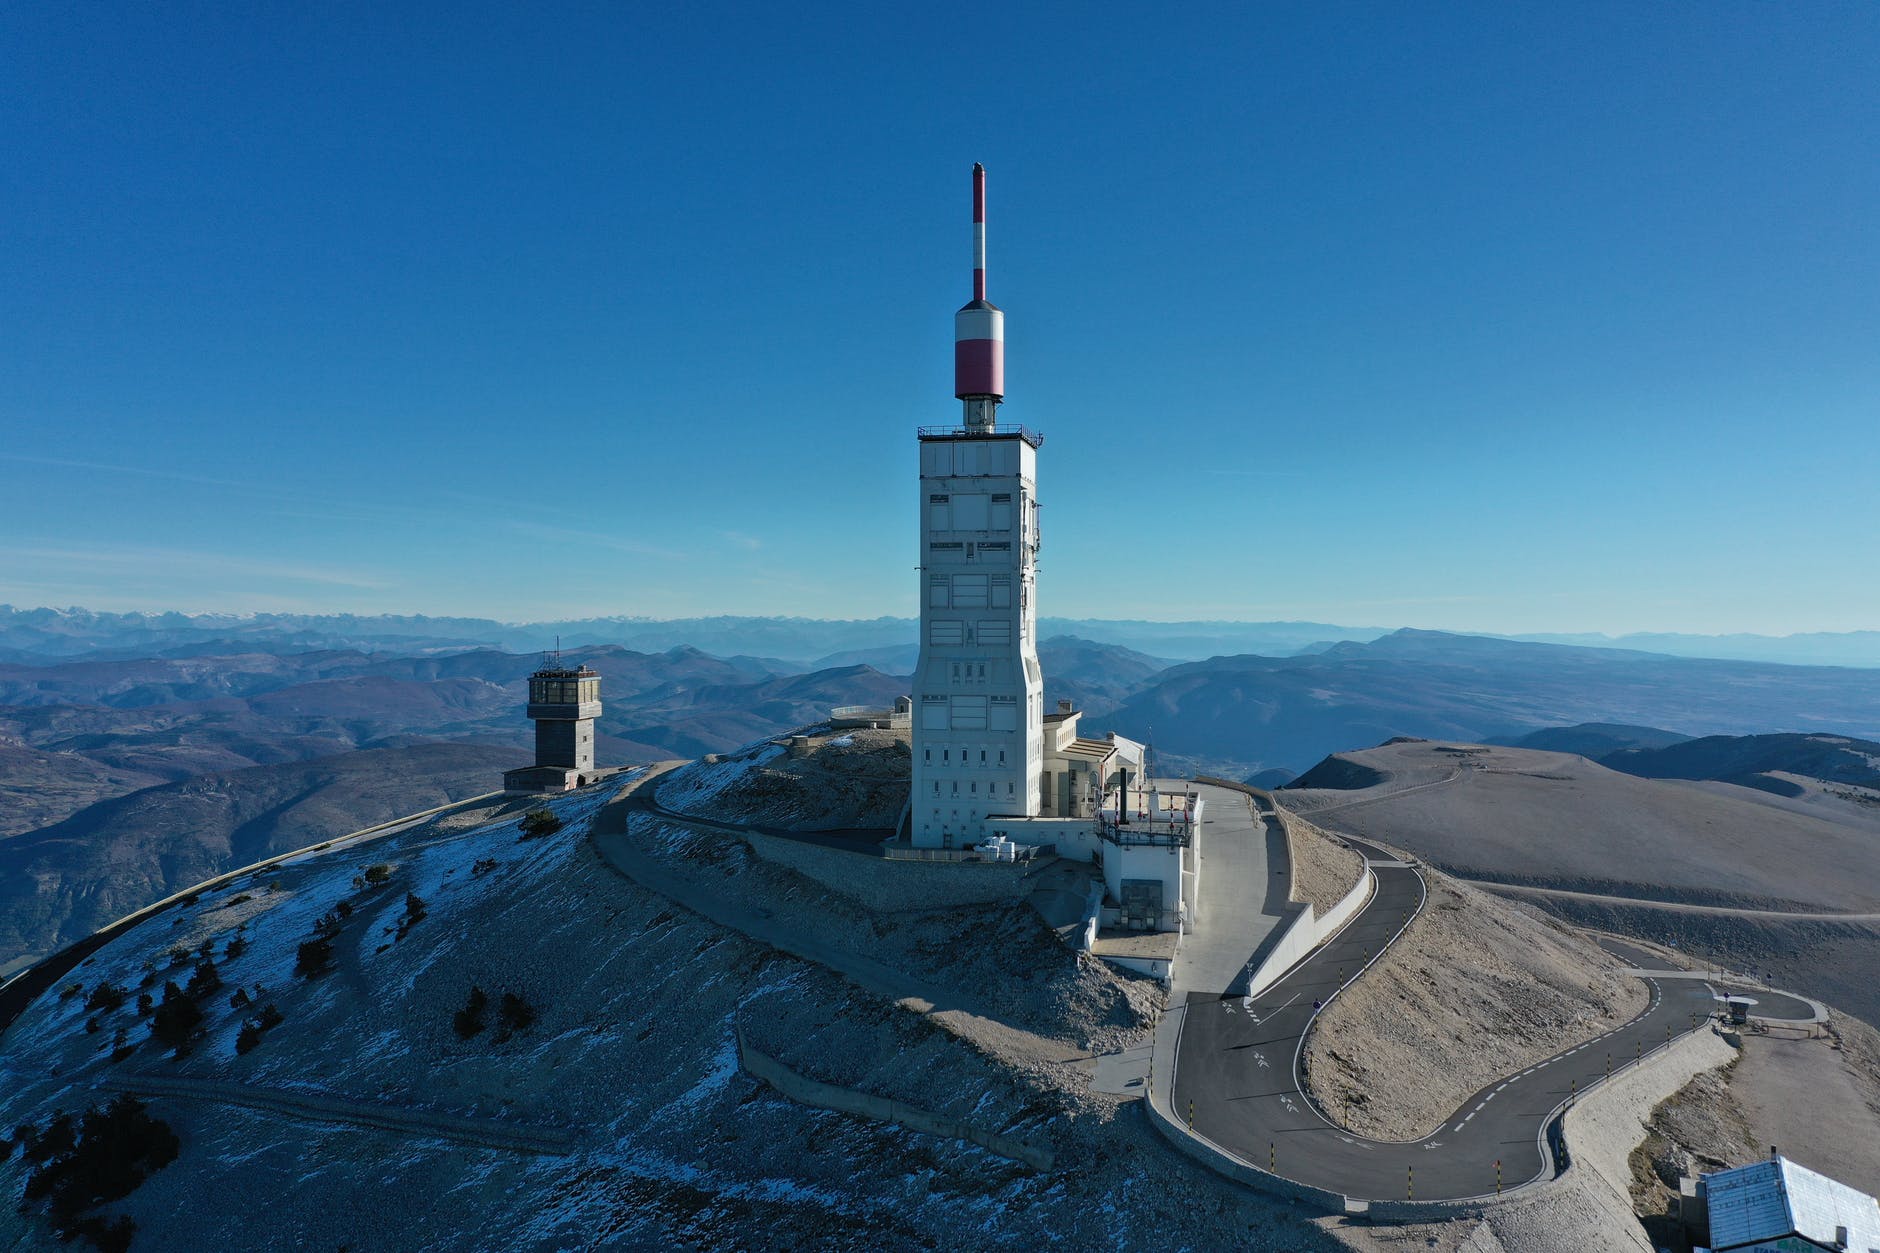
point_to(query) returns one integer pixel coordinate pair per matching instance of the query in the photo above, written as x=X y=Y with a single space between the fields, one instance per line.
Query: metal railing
x=1034 y=438
x=1144 y=831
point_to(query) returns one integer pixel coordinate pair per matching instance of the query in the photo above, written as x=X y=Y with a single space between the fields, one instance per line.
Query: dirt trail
x=482 y=1132
x=1731 y=911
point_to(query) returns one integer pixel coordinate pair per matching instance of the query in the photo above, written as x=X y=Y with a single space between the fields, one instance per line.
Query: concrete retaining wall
x=807 y=1091
x=1306 y=932
x=889 y=886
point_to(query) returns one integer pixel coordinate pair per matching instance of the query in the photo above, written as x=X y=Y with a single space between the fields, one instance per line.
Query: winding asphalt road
x=1238 y=1075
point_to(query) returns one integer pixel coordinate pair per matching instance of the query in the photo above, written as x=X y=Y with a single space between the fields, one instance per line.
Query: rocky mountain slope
x=1732 y=874
x=592 y=1096
x=62 y=882
x=1475 y=988
x=1758 y=761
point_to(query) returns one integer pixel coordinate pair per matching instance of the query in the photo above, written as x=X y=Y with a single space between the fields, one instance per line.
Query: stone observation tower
x=563 y=704
x=978 y=692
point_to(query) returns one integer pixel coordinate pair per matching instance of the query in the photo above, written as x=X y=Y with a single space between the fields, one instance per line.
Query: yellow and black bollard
x=1272 y=1159
x=1410 y=1183
x=1498 y=1176
x=1191 y=1115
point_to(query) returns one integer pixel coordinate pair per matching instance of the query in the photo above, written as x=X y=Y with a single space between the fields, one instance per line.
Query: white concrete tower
x=978 y=691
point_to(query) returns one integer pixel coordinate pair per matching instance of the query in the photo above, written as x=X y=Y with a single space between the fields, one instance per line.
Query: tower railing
x=1034 y=438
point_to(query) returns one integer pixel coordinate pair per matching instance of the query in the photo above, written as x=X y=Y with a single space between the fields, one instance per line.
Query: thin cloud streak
x=189 y=564
x=562 y=534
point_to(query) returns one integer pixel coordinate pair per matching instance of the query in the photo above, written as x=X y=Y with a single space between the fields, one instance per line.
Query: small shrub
x=469 y=1020
x=204 y=979
x=106 y=996
x=277 y=886
x=177 y=1019
x=482 y=866
x=414 y=913
x=315 y=957
x=236 y=947
x=243 y=899
x=179 y=955
x=539 y=822
x=70 y=990
x=254 y=1028
x=103 y=1158
x=516 y=1013
x=60 y=1135
x=239 y=1000
x=92 y=1025
x=144 y=1005
x=378 y=874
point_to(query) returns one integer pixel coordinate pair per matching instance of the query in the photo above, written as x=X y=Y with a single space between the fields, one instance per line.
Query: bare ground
x=1557 y=820
x=1475 y=988
x=1324 y=870
x=850 y=780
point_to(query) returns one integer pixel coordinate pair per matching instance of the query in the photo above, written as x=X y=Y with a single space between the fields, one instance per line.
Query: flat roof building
x=1777 y=1206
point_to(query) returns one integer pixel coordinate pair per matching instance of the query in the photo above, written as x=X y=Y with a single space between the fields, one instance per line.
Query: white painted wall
x=978 y=690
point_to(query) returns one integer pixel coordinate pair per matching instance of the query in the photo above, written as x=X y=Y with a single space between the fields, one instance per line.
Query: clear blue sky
x=1506 y=317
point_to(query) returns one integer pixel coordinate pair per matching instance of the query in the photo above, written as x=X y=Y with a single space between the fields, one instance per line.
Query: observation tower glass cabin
x=563 y=704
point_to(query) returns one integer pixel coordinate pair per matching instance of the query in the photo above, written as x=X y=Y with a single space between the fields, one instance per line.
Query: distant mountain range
x=62 y=882
x=887 y=644
x=99 y=749
x=1289 y=712
x=1756 y=761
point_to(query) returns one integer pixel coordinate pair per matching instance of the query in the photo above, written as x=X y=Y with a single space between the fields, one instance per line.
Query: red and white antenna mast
x=979 y=332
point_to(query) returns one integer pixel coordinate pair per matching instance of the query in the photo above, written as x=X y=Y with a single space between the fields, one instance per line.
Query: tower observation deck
x=563 y=704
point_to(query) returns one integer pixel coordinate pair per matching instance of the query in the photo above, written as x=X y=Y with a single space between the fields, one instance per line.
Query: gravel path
x=486 y=1133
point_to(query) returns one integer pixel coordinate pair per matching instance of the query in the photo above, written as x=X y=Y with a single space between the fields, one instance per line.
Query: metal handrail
x=1034 y=438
